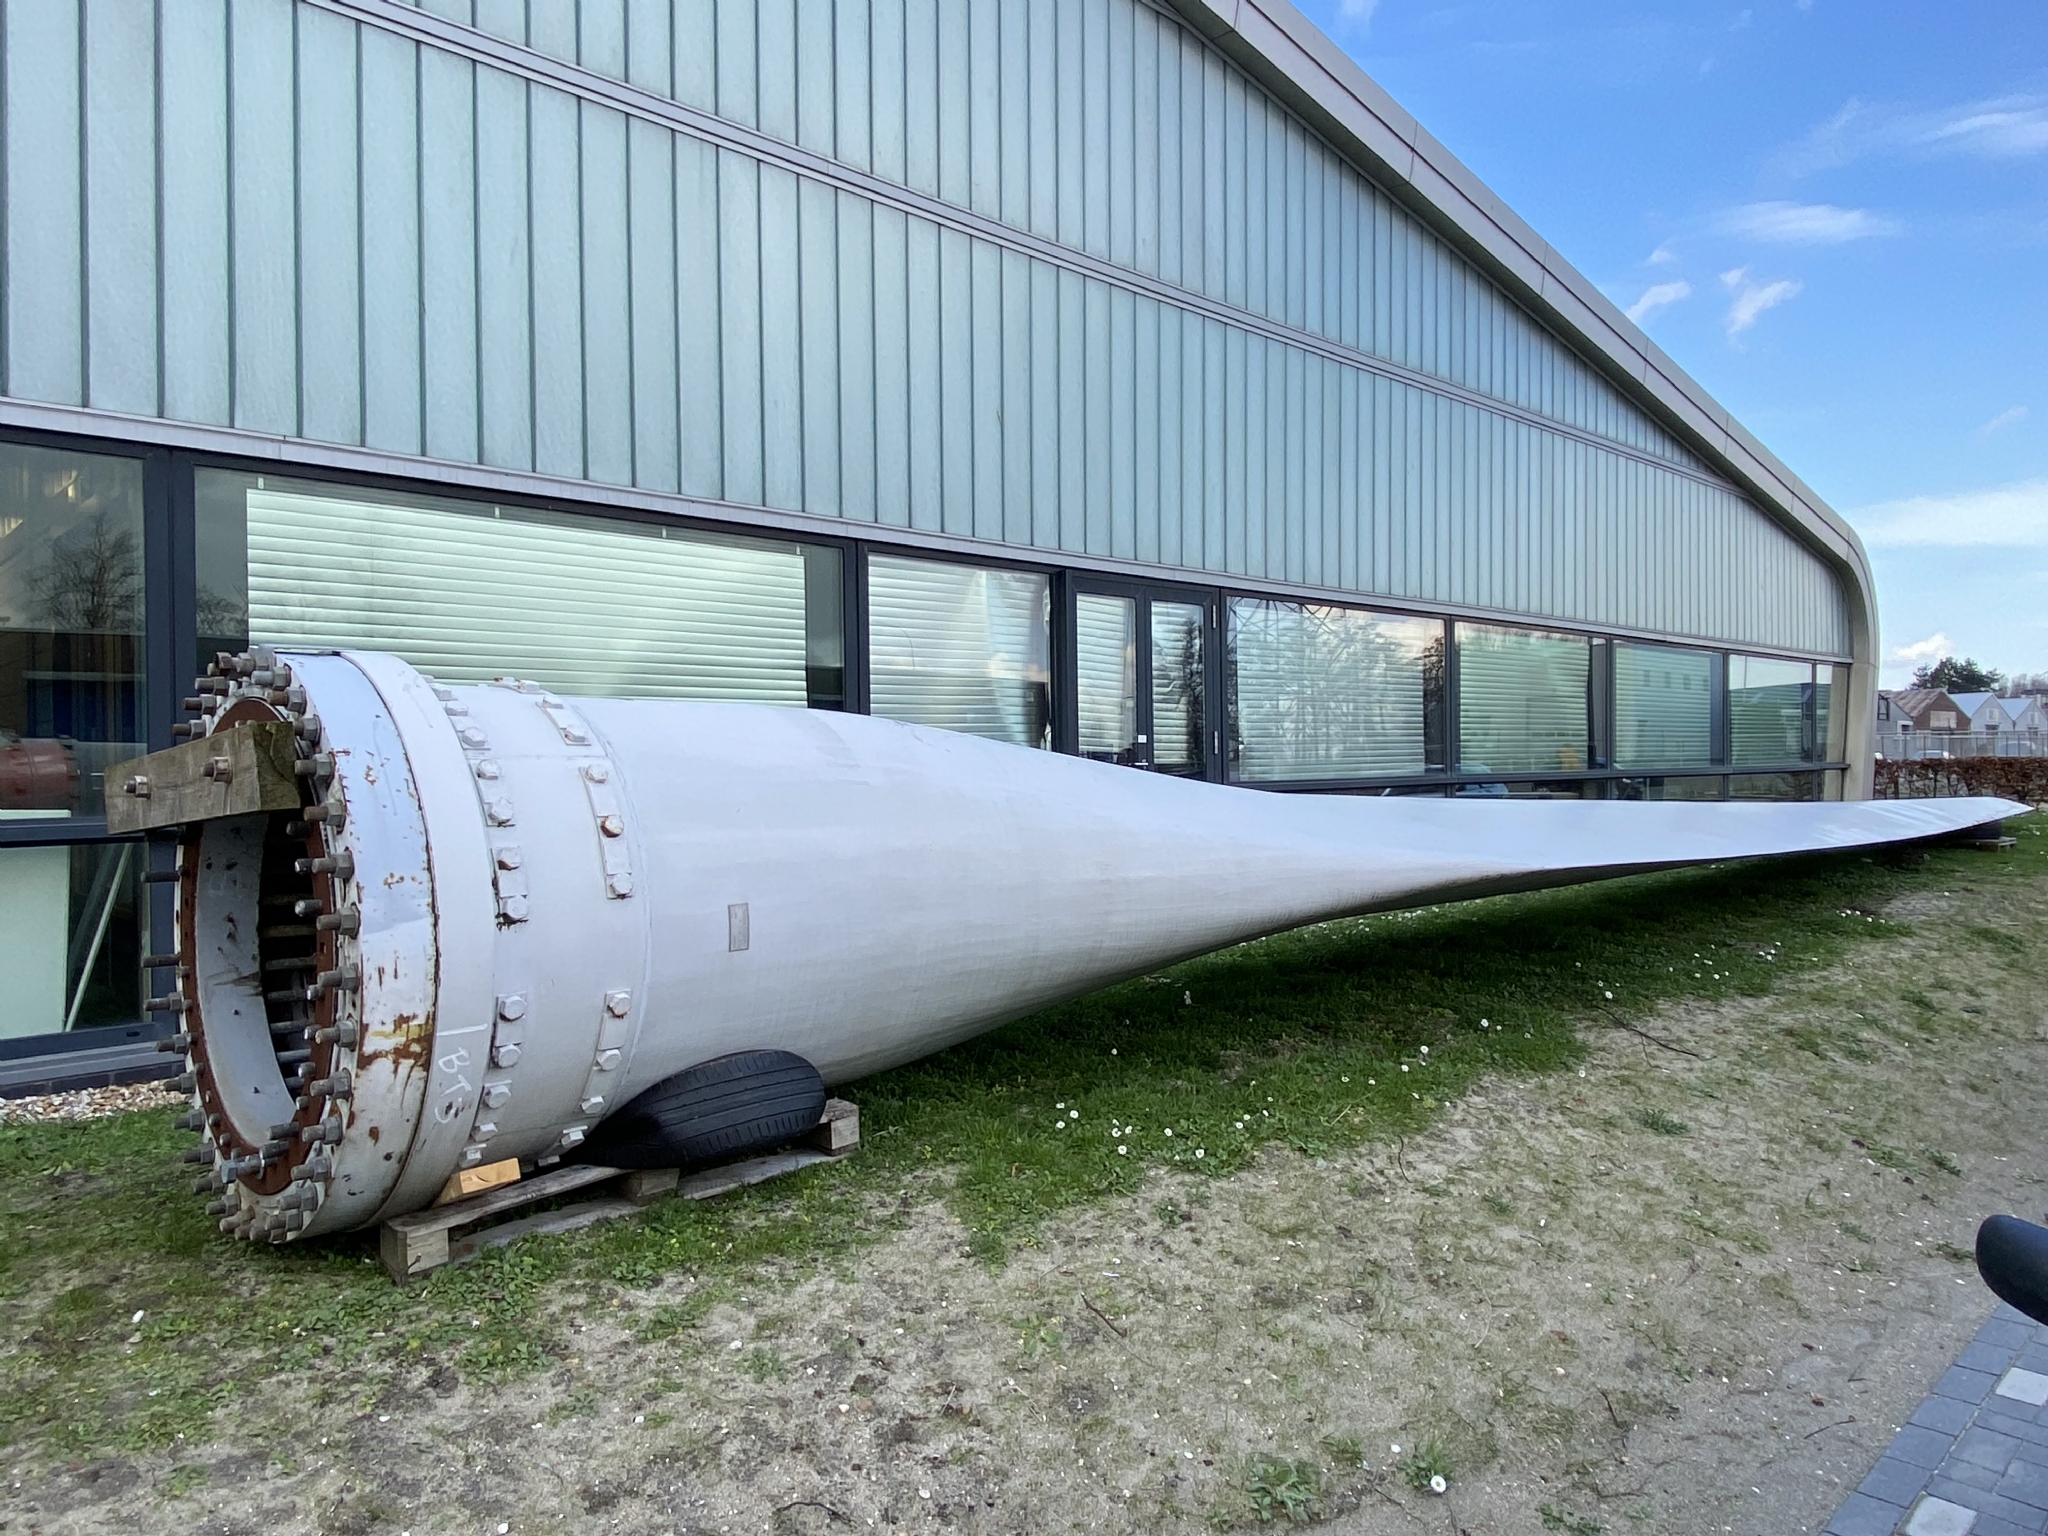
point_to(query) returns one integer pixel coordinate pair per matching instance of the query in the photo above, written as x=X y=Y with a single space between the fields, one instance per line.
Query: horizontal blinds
x=582 y=605
x=1824 y=679
x=959 y=647
x=1326 y=693
x=1105 y=672
x=1521 y=701
x=1767 y=709
x=1663 y=707
x=1177 y=685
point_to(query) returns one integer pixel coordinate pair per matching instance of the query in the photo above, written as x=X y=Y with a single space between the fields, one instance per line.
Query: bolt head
x=618 y=1004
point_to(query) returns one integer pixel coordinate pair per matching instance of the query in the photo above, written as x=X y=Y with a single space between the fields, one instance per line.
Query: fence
x=1913 y=746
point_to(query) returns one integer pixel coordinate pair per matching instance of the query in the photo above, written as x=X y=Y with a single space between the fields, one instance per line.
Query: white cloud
x=2006 y=516
x=2003 y=129
x=1656 y=297
x=2010 y=417
x=1664 y=253
x=1922 y=652
x=1787 y=223
x=1356 y=12
x=1752 y=299
x=1999 y=128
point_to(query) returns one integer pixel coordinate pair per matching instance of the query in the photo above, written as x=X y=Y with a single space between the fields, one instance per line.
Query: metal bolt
x=347 y=979
x=592 y=1105
x=172 y=1004
x=136 y=784
x=313 y=1168
x=175 y=1045
x=618 y=1004
x=192 y=1120
x=618 y=885
x=498 y=811
x=326 y=1133
x=506 y=1055
x=512 y=1006
x=608 y=1060
x=336 y=1034
x=335 y=1087
x=311 y=907
x=496 y=1094
x=219 y=769
x=341 y=865
x=186 y=1081
x=161 y=962
x=319 y=766
x=332 y=812
x=611 y=826
x=486 y=769
x=483 y=1130
x=345 y=921
x=597 y=773
x=508 y=857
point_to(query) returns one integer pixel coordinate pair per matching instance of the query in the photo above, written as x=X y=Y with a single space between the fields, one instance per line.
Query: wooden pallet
x=458 y=1231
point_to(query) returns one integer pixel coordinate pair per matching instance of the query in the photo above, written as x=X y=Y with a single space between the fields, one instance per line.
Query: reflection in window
x=1691 y=787
x=959 y=647
x=70 y=937
x=71 y=599
x=1767 y=702
x=1177 y=679
x=1663 y=707
x=1522 y=701
x=1106 y=675
x=1825 y=682
x=1534 y=789
x=468 y=592
x=1319 y=692
x=1774 y=786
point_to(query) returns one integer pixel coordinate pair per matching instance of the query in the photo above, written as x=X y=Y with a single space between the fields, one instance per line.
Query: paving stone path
x=1973 y=1459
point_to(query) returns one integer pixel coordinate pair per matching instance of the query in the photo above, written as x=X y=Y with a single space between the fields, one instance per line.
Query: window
x=467 y=591
x=1522 y=701
x=1663 y=707
x=1767 y=710
x=1690 y=787
x=72 y=918
x=1774 y=786
x=1941 y=720
x=1318 y=692
x=960 y=647
x=71 y=640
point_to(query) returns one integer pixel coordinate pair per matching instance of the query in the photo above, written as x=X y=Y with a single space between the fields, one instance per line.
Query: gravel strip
x=88 y=1103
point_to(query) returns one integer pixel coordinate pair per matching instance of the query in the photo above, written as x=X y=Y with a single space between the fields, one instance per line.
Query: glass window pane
x=1767 y=709
x=959 y=647
x=1663 y=707
x=1328 y=693
x=70 y=937
x=1825 y=680
x=1522 y=701
x=71 y=650
x=467 y=592
x=1555 y=789
x=1690 y=788
x=1106 y=675
x=1177 y=677
x=1774 y=786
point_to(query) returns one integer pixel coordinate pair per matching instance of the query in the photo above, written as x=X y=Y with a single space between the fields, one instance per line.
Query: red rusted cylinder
x=37 y=775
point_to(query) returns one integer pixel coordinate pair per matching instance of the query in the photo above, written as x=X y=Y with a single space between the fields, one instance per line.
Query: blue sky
x=1832 y=213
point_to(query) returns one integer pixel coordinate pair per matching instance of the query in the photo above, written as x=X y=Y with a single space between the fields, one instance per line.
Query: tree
x=2020 y=684
x=92 y=581
x=1953 y=676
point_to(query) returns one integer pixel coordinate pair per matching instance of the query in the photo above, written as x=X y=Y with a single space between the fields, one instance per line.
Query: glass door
x=1139 y=686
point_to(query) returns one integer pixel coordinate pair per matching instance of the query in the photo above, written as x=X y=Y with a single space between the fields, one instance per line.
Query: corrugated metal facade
x=1045 y=272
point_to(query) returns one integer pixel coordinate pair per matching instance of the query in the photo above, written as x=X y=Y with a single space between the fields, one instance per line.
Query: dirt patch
x=1693 y=1286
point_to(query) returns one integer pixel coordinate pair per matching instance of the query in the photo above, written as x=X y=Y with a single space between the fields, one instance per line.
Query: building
x=1105 y=376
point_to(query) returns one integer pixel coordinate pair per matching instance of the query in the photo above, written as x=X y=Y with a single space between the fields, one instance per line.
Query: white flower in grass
x=1123 y=1151
x=1608 y=995
x=1200 y=1153
x=1073 y=1114
x=1169 y=1130
x=1437 y=1484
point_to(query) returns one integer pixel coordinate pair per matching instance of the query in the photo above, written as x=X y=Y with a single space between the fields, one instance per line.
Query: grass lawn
x=135 y=1334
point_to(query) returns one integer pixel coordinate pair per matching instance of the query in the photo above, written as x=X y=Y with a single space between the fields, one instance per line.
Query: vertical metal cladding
x=1064 y=278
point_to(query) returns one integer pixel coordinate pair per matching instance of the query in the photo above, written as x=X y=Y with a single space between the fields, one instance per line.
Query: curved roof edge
x=1290 y=56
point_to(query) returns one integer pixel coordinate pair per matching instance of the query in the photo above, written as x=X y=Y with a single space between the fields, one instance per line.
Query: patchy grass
x=1318 y=1040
